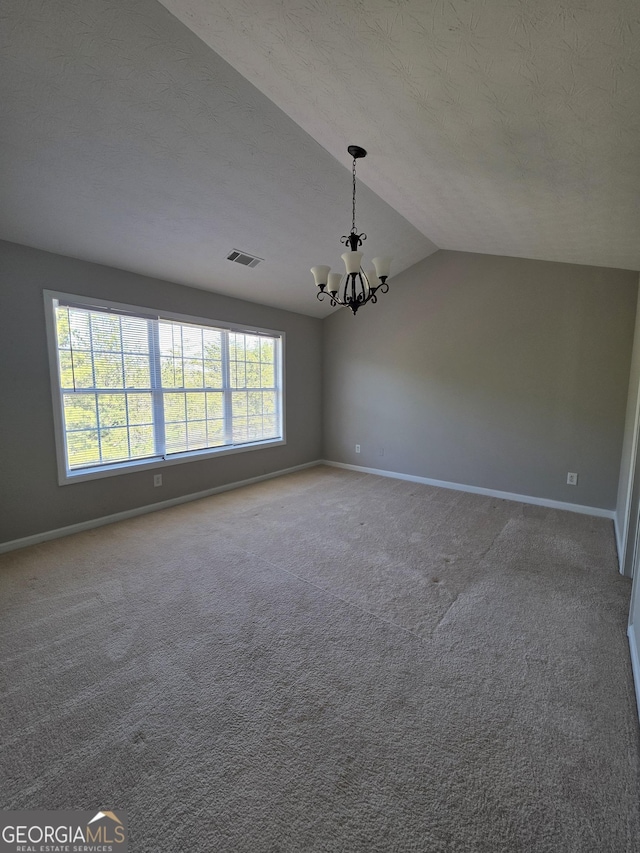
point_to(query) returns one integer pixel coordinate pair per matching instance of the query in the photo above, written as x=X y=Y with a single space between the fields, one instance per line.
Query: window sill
x=148 y=464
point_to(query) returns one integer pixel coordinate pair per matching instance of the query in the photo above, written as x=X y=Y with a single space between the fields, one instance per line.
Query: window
x=136 y=389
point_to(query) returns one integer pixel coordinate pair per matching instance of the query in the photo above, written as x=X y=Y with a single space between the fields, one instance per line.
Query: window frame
x=67 y=475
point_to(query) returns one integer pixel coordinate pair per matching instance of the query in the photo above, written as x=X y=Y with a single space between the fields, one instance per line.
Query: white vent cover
x=243 y=258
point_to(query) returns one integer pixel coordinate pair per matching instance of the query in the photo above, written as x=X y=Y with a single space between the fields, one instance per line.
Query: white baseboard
x=635 y=663
x=478 y=490
x=143 y=510
x=36 y=538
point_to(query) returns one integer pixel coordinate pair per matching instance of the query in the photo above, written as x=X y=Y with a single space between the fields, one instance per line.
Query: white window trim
x=66 y=476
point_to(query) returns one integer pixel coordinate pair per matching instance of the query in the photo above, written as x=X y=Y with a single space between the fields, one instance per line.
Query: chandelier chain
x=353 y=206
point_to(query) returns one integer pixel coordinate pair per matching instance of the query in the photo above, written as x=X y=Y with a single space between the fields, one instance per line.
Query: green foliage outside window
x=214 y=387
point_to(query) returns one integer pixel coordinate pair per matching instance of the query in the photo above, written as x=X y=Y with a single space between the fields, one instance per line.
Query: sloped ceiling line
x=506 y=127
x=156 y=136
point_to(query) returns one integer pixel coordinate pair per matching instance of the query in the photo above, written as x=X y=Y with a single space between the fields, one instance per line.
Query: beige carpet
x=327 y=662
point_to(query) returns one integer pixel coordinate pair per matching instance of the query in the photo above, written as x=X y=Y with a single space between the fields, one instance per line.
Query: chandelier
x=356 y=287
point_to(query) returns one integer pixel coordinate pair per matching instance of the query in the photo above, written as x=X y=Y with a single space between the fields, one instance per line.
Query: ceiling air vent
x=243 y=258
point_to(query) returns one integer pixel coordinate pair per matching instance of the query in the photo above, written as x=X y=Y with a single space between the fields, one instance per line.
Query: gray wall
x=628 y=501
x=487 y=371
x=31 y=500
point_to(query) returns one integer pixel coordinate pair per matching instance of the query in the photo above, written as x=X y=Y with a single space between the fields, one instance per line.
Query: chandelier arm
x=365 y=288
x=333 y=299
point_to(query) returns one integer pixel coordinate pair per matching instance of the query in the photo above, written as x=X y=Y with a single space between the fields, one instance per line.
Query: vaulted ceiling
x=158 y=137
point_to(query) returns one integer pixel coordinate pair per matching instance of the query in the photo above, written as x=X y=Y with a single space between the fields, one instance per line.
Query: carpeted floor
x=328 y=661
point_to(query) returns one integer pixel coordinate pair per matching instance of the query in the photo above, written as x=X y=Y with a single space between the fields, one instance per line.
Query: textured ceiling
x=500 y=126
x=158 y=137
x=125 y=140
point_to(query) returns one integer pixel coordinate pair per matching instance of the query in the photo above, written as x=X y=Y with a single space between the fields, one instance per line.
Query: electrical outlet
x=157 y=479
x=381 y=451
x=357 y=448
x=572 y=479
